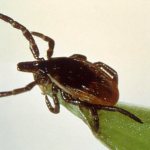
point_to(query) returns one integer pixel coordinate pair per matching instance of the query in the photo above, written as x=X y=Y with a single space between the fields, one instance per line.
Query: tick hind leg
x=56 y=108
x=33 y=47
x=67 y=98
x=51 y=43
x=109 y=72
x=120 y=110
x=19 y=90
x=95 y=118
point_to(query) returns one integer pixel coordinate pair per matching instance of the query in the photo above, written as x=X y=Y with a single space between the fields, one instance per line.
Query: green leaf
x=116 y=131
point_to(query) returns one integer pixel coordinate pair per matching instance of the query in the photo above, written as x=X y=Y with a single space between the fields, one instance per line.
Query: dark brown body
x=82 y=80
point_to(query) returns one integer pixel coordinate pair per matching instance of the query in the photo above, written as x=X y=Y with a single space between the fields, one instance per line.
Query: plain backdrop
x=116 y=32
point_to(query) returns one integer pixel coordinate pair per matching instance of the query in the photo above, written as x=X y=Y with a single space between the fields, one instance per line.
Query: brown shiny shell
x=83 y=80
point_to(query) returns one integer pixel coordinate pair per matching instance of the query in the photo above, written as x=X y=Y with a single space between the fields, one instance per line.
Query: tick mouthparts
x=31 y=66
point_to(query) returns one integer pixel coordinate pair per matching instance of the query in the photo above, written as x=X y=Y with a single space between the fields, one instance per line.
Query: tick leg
x=81 y=104
x=111 y=73
x=50 y=41
x=95 y=118
x=56 y=107
x=122 y=111
x=33 y=47
x=19 y=90
x=52 y=109
x=78 y=57
x=67 y=98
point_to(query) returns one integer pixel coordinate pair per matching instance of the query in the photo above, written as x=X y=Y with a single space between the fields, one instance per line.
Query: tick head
x=30 y=66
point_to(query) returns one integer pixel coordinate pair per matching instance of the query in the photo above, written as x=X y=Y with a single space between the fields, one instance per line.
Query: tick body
x=80 y=82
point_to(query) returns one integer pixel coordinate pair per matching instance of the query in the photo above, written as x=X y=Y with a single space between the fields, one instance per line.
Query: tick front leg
x=56 y=107
x=19 y=90
x=51 y=42
x=33 y=47
x=109 y=72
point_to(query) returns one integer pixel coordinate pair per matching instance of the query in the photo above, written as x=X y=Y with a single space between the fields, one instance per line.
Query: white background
x=116 y=32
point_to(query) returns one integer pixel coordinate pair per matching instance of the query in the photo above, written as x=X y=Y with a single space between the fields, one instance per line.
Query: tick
x=80 y=82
